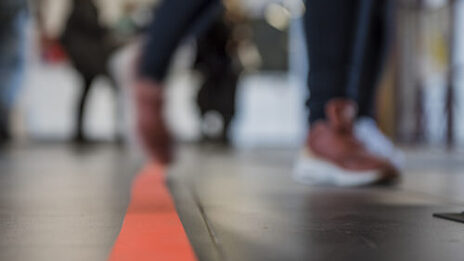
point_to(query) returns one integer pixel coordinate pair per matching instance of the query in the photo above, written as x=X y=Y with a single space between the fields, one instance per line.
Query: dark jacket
x=86 y=41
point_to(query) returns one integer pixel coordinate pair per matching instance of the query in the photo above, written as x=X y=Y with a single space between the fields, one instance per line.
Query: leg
x=376 y=51
x=338 y=33
x=79 y=135
x=215 y=60
x=330 y=26
x=225 y=135
x=11 y=64
x=218 y=95
x=119 y=109
x=229 y=105
x=205 y=101
x=174 y=20
x=4 y=124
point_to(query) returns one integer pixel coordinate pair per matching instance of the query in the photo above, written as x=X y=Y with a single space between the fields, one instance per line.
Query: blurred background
x=420 y=101
x=66 y=77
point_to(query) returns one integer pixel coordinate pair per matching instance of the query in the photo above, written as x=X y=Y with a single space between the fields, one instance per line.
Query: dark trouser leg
x=333 y=37
x=174 y=20
x=79 y=136
x=4 y=124
x=330 y=26
x=118 y=109
x=216 y=63
x=11 y=63
x=376 y=53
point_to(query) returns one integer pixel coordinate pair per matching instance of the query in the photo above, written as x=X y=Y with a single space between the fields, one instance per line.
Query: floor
x=252 y=210
x=59 y=202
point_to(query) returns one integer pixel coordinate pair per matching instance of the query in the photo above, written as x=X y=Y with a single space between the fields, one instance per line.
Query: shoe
x=5 y=135
x=367 y=132
x=151 y=125
x=313 y=170
x=335 y=156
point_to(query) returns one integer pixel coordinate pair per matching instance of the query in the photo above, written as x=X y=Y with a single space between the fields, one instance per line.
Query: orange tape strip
x=152 y=229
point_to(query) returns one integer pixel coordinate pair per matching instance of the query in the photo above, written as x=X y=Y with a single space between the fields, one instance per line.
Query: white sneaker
x=367 y=131
x=312 y=170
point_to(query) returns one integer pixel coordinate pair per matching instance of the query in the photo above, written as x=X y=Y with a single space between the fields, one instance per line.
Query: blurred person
x=217 y=61
x=13 y=15
x=89 y=46
x=346 y=40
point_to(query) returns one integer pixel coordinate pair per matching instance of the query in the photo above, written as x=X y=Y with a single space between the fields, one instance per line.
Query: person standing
x=347 y=41
x=89 y=46
x=13 y=14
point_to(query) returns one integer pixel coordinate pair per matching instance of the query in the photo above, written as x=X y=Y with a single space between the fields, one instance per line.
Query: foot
x=79 y=138
x=151 y=125
x=335 y=156
x=366 y=131
x=5 y=135
x=5 y=138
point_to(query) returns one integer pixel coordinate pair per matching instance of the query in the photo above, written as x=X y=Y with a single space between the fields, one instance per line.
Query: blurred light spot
x=297 y=8
x=213 y=124
x=249 y=56
x=277 y=16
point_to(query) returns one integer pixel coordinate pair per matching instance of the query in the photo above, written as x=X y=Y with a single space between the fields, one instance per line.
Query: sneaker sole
x=312 y=170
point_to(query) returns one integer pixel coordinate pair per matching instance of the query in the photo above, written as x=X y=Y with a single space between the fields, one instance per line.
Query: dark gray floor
x=252 y=210
x=58 y=202
x=62 y=203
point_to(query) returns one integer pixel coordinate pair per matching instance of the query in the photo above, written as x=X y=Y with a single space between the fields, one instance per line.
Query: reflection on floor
x=62 y=203
x=252 y=210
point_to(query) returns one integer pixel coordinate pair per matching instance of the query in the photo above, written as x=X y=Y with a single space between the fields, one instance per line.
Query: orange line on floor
x=152 y=229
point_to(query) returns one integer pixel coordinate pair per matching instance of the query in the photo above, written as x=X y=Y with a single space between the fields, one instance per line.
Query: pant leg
x=347 y=42
x=11 y=56
x=173 y=20
x=330 y=26
x=376 y=54
x=11 y=62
